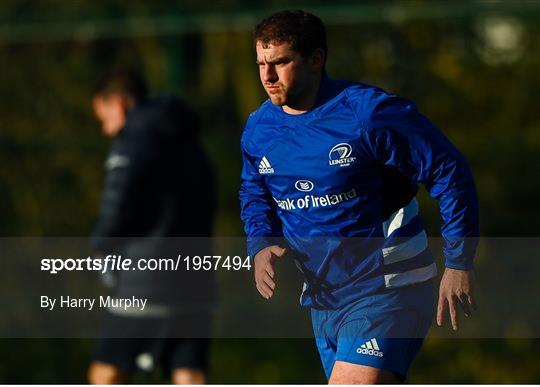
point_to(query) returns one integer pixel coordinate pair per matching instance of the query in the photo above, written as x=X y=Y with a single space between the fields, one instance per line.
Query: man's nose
x=269 y=73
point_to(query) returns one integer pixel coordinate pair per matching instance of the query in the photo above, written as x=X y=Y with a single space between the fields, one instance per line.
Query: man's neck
x=308 y=100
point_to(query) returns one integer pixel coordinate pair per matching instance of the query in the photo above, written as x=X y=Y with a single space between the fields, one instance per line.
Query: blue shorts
x=384 y=330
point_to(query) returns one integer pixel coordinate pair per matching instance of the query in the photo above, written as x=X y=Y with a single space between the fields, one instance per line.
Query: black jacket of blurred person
x=158 y=185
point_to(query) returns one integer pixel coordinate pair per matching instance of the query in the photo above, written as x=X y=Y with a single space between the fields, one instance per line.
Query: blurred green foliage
x=475 y=76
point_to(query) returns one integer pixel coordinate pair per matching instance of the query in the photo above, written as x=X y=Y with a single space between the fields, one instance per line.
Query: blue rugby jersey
x=339 y=183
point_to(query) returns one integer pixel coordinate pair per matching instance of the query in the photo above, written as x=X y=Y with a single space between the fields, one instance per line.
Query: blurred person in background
x=158 y=185
x=333 y=167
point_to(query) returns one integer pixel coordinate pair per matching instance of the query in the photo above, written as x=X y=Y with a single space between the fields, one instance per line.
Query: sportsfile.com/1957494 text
x=118 y=263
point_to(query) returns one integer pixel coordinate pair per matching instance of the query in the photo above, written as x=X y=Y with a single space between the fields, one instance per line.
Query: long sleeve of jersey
x=258 y=210
x=398 y=135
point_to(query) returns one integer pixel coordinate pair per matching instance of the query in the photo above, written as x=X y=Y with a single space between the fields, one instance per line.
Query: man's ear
x=317 y=60
x=126 y=103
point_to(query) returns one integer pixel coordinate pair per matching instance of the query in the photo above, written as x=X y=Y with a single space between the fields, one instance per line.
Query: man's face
x=284 y=73
x=111 y=111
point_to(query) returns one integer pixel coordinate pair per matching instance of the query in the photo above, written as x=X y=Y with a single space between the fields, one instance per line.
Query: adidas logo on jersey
x=371 y=347
x=264 y=167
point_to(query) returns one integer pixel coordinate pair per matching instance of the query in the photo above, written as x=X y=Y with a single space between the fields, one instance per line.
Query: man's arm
x=398 y=135
x=125 y=184
x=261 y=224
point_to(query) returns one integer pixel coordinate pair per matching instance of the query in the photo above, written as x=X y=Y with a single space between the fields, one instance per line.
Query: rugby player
x=330 y=174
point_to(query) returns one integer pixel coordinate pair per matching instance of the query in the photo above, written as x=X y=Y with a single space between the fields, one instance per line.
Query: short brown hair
x=304 y=31
x=126 y=82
